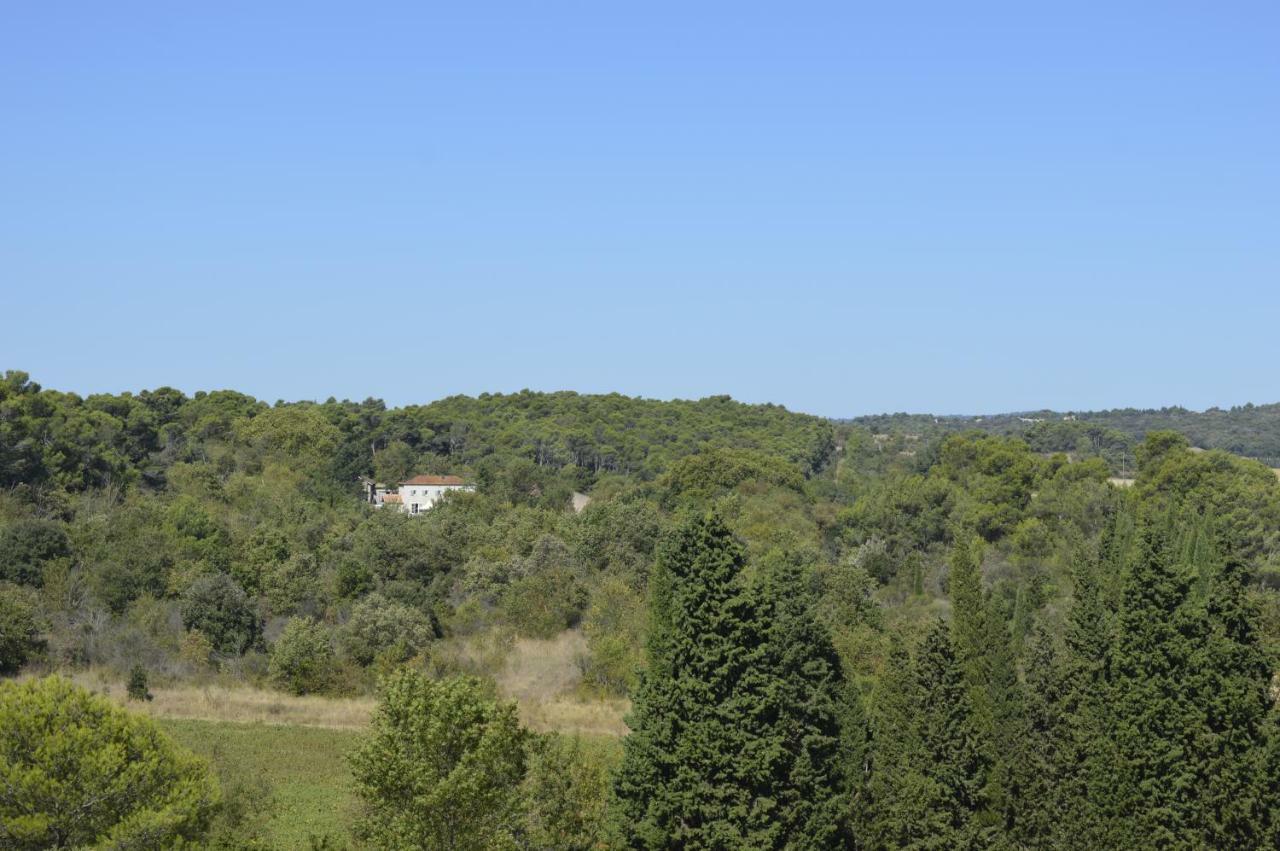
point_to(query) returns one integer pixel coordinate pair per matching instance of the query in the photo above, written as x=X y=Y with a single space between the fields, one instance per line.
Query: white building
x=420 y=493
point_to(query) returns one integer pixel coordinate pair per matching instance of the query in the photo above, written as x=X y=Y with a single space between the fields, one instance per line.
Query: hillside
x=1251 y=431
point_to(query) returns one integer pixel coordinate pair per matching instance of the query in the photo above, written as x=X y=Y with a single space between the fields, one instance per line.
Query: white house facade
x=420 y=493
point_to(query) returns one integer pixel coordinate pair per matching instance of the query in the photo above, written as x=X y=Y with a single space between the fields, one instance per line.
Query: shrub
x=26 y=546
x=220 y=609
x=378 y=625
x=614 y=628
x=19 y=629
x=196 y=650
x=541 y=605
x=81 y=772
x=137 y=688
x=302 y=658
x=441 y=767
x=566 y=789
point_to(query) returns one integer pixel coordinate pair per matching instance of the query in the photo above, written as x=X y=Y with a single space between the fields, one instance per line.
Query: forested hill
x=61 y=439
x=1252 y=431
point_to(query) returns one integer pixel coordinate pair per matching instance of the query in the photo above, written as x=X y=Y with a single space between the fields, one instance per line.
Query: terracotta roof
x=433 y=480
x=392 y=498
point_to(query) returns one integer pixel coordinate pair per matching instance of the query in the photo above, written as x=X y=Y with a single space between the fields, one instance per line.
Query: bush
x=614 y=628
x=541 y=605
x=441 y=767
x=81 y=772
x=381 y=626
x=220 y=609
x=137 y=687
x=196 y=651
x=26 y=546
x=565 y=790
x=19 y=629
x=302 y=658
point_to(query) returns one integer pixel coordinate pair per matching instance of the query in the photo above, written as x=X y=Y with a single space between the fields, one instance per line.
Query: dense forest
x=1252 y=431
x=894 y=632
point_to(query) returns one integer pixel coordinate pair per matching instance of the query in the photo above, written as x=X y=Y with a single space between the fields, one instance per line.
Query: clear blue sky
x=845 y=208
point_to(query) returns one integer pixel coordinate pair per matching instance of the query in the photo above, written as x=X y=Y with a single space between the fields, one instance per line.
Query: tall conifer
x=735 y=728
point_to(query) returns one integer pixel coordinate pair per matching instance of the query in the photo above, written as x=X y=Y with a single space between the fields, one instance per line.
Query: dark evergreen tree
x=1155 y=713
x=954 y=763
x=1086 y=753
x=1235 y=796
x=793 y=705
x=735 y=731
x=1039 y=771
x=899 y=794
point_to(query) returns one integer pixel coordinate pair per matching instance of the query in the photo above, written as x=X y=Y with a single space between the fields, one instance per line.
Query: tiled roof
x=391 y=497
x=433 y=480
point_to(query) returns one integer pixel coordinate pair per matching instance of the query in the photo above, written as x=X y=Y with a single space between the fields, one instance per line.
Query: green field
x=303 y=769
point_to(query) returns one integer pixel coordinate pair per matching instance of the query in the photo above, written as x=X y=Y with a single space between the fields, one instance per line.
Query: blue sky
x=845 y=208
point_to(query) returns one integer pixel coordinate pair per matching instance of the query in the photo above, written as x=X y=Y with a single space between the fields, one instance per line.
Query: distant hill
x=1252 y=431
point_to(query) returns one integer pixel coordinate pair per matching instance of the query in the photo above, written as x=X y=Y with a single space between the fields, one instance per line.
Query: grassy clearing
x=543 y=677
x=302 y=770
x=241 y=704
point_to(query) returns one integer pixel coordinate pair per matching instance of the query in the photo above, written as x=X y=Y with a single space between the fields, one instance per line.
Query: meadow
x=295 y=776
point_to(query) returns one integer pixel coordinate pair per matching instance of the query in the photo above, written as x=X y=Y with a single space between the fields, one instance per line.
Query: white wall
x=425 y=496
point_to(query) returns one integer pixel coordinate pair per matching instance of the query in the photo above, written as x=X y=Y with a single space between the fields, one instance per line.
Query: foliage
x=26 y=546
x=565 y=792
x=137 y=688
x=302 y=660
x=19 y=629
x=78 y=772
x=441 y=767
x=735 y=728
x=218 y=607
x=379 y=626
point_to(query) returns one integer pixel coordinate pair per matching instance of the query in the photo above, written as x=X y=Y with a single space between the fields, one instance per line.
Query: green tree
x=302 y=657
x=954 y=760
x=19 y=629
x=378 y=626
x=897 y=813
x=735 y=726
x=1155 y=714
x=1235 y=794
x=137 y=687
x=77 y=771
x=26 y=546
x=218 y=607
x=441 y=767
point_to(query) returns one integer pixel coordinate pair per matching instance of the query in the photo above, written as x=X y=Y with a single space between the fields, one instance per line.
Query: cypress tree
x=1040 y=769
x=1085 y=751
x=796 y=712
x=954 y=761
x=735 y=727
x=898 y=813
x=1235 y=795
x=1154 y=713
x=968 y=619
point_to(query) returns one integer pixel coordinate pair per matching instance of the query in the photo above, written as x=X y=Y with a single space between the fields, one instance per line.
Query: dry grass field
x=543 y=677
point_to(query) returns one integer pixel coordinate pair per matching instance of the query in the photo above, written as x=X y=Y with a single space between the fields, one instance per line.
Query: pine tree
x=735 y=728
